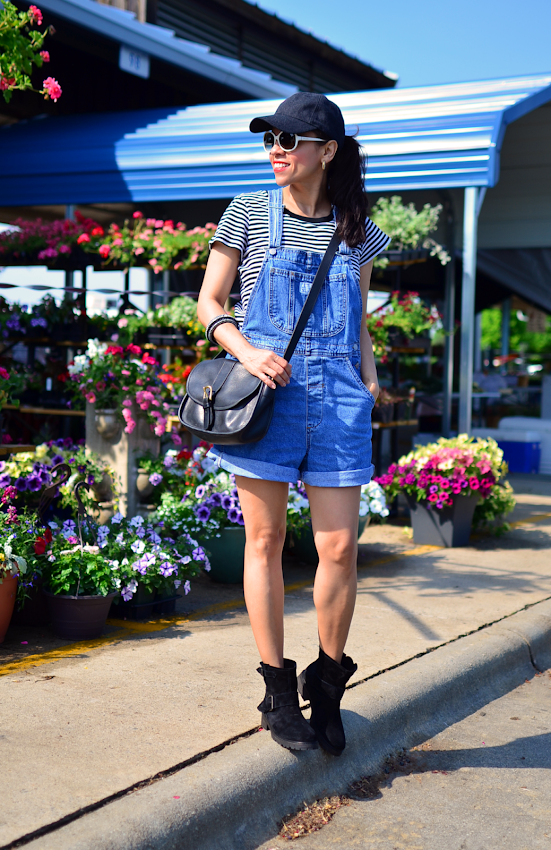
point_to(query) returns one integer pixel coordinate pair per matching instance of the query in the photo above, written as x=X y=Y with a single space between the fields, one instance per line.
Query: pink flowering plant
x=11 y=383
x=439 y=473
x=21 y=47
x=31 y=242
x=149 y=241
x=125 y=379
x=408 y=314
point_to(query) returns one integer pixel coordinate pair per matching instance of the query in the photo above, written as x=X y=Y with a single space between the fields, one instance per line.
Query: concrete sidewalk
x=82 y=723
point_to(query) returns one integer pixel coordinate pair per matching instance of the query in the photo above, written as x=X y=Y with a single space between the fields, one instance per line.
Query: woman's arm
x=219 y=276
x=369 y=370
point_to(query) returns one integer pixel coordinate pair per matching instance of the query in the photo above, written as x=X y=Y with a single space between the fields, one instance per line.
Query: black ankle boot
x=280 y=711
x=323 y=683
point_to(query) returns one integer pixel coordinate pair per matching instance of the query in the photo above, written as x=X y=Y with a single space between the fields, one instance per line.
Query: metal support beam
x=478 y=342
x=449 y=327
x=70 y=210
x=468 y=289
x=505 y=331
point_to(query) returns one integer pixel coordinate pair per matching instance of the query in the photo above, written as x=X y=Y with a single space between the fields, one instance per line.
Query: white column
x=468 y=288
x=449 y=323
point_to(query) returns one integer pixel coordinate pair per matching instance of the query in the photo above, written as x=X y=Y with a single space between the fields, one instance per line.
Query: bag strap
x=321 y=274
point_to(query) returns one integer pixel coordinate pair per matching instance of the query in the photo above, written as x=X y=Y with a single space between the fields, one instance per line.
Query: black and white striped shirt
x=245 y=226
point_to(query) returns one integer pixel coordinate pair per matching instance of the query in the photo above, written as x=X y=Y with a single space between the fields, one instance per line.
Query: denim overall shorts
x=321 y=427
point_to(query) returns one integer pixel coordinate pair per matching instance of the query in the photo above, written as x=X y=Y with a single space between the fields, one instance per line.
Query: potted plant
x=149 y=564
x=123 y=383
x=209 y=510
x=14 y=548
x=443 y=483
x=409 y=230
x=300 y=538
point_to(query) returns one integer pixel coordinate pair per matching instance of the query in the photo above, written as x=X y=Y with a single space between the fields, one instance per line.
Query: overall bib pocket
x=288 y=291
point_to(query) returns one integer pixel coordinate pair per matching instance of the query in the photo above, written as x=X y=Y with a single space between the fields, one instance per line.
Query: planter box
x=155 y=607
x=447 y=527
x=227 y=554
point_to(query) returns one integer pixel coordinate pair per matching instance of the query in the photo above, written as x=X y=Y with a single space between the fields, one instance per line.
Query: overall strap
x=275 y=208
x=312 y=297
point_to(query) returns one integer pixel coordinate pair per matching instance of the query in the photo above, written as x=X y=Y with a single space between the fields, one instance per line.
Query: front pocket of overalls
x=360 y=384
x=288 y=292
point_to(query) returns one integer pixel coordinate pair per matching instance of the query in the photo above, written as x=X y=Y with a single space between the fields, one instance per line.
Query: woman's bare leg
x=264 y=507
x=335 y=512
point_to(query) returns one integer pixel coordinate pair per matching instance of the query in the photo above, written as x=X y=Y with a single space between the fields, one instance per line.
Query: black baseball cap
x=302 y=112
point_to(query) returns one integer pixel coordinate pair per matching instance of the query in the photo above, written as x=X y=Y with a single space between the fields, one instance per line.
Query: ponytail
x=345 y=187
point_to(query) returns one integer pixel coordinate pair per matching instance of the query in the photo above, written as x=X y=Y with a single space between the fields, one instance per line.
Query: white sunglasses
x=287 y=141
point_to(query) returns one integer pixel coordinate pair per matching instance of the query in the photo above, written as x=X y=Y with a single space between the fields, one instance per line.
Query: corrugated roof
x=429 y=137
x=123 y=27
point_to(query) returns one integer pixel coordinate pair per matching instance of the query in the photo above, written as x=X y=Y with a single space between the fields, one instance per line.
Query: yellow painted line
x=132 y=628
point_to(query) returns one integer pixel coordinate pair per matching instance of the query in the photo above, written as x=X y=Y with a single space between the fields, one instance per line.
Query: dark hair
x=345 y=187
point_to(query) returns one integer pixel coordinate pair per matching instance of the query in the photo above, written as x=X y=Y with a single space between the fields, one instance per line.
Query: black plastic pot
x=446 y=527
x=166 y=336
x=78 y=617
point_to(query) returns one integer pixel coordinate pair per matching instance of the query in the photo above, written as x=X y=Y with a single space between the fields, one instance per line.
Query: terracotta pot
x=143 y=484
x=78 y=617
x=108 y=423
x=8 y=589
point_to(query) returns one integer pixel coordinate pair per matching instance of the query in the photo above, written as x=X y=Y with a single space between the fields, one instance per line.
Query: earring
x=323 y=165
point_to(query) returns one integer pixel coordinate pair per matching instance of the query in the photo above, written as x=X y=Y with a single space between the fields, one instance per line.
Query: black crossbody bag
x=224 y=403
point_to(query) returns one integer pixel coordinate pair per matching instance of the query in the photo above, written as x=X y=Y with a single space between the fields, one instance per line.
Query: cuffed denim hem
x=249 y=468
x=346 y=478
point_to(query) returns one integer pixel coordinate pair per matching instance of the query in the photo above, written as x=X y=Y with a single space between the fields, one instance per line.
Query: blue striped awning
x=417 y=138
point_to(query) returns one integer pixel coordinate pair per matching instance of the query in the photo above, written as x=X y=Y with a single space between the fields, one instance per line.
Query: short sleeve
x=233 y=227
x=375 y=242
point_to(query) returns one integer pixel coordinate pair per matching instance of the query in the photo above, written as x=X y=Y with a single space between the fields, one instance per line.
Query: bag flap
x=231 y=383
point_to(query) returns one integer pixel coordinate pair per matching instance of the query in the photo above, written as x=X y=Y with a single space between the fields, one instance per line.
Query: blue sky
x=431 y=41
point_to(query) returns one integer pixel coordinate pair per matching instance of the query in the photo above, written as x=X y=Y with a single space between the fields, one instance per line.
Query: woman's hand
x=374 y=389
x=266 y=365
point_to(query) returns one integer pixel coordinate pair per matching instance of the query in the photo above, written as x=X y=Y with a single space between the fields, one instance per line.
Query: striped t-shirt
x=245 y=226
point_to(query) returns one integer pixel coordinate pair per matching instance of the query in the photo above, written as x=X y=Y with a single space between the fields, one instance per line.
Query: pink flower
x=130 y=424
x=83 y=238
x=4 y=373
x=35 y=15
x=100 y=386
x=72 y=540
x=484 y=466
x=474 y=483
x=47 y=254
x=125 y=372
x=64 y=249
x=45 y=55
x=104 y=251
x=176 y=439
x=123 y=322
x=127 y=403
x=137 y=214
x=91 y=397
x=52 y=87
x=140 y=250
x=433 y=497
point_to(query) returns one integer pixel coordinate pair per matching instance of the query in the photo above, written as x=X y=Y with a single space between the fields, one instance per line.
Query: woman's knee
x=265 y=543
x=339 y=547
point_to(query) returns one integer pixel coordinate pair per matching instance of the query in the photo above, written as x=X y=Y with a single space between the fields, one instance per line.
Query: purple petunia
x=215 y=500
x=155 y=478
x=233 y=514
x=198 y=554
x=21 y=484
x=5 y=480
x=200 y=491
x=227 y=502
x=34 y=483
x=202 y=512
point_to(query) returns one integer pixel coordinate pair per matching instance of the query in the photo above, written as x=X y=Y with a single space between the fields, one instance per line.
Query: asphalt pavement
x=482 y=784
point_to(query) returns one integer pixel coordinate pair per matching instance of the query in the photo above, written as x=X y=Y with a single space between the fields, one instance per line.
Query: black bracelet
x=215 y=323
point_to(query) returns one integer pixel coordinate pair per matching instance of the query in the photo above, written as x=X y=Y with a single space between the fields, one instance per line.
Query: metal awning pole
x=449 y=325
x=468 y=289
x=505 y=331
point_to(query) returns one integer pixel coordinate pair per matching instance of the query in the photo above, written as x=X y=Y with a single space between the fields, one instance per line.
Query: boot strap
x=326 y=689
x=273 y=701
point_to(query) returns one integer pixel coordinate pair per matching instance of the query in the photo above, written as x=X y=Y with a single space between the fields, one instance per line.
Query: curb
x=233 y=800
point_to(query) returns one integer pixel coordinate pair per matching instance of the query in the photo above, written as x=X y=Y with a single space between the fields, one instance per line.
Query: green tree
x=520 y=338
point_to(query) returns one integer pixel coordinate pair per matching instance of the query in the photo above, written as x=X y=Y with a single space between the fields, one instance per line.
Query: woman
x=320 y=432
